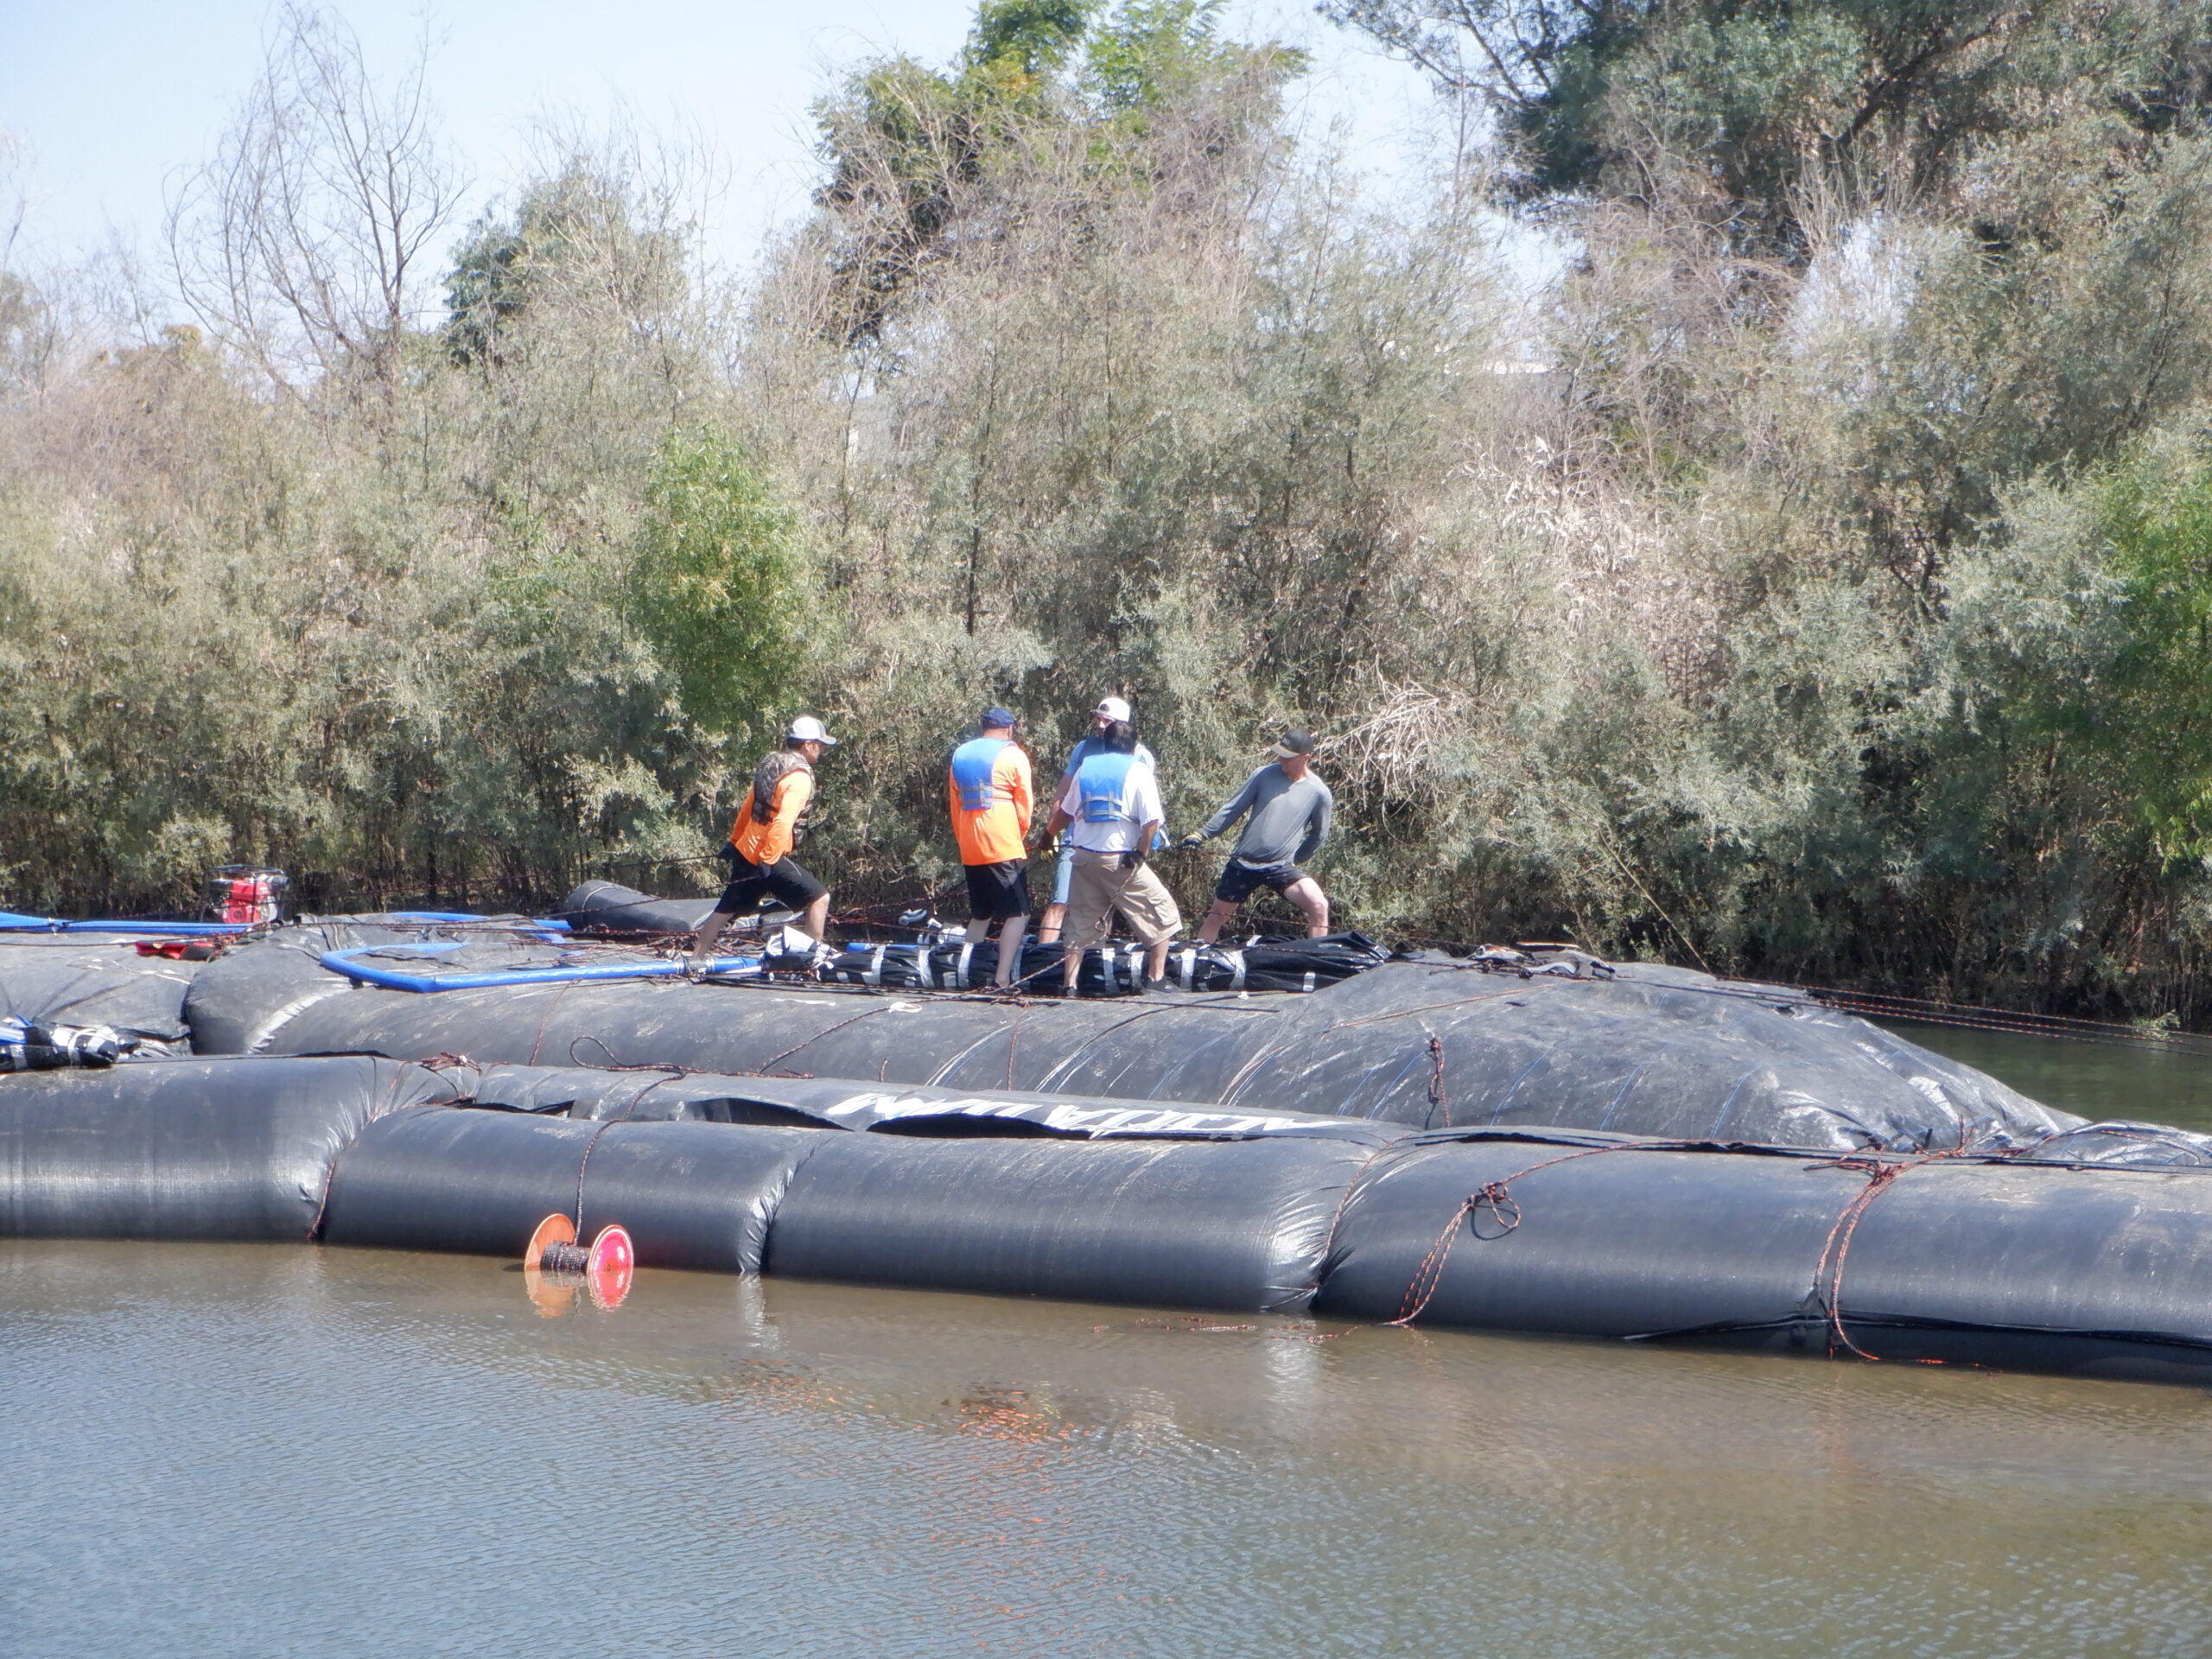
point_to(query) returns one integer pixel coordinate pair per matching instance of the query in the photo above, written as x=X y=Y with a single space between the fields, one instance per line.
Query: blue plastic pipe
x=12 y=922
x=342 y=962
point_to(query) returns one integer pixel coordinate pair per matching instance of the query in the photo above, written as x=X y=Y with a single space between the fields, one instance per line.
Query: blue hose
x=11 y=922
x=342 y=962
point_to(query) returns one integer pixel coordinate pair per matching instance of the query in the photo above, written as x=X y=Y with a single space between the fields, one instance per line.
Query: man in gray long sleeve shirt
x=1290 y=809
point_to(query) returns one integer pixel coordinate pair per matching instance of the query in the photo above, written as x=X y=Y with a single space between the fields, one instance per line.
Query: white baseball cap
x=1111 y=708
x=807 y=729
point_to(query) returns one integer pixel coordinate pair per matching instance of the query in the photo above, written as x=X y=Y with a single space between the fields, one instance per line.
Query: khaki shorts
x=1101 y=887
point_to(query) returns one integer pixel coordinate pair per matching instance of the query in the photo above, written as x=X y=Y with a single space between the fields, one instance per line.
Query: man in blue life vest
x=1112 y=812
x=991 y=799
x=1109 y=710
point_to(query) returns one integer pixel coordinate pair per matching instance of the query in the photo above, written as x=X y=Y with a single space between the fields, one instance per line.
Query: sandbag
x=2071 y=1270
x=49 y=979
x=1233 y=1225
x=188 y=1149
x=691 y=1195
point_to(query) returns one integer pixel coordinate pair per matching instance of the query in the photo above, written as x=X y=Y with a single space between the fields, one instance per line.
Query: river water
x=273 y=1450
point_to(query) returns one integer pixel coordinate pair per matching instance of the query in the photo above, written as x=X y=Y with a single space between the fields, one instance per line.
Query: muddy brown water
x=263 y=1450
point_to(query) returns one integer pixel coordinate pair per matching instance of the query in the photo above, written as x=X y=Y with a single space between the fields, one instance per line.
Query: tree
x=1754 y=98
x=910 y=147
x=576 y=228
x=298 y=243
x=718 y=584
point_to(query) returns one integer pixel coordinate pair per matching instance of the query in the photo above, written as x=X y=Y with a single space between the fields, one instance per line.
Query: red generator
x=247 y=892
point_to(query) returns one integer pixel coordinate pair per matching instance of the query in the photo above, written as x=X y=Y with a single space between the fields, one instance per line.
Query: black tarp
x=188 y=1149
x=1653 y=1051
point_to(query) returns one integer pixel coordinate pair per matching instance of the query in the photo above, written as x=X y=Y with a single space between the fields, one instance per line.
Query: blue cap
x=994 y=716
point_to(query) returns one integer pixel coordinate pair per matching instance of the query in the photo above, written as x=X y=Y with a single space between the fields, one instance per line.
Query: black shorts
x=786 y=881
x=1238 y=879
x=997 y=892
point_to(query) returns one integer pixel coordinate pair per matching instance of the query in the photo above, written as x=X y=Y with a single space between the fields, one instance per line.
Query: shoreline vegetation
x=1812 y=581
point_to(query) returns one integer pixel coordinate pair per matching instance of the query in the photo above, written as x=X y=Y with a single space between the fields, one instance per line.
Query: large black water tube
x=187 y=1148
x=2029 y=1265
x=62 y=979
x=692 y=1195
x=2010 y=1262
x=1656 y=1051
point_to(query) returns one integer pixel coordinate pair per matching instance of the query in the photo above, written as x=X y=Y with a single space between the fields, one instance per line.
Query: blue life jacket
x=1100 y=785
x=974 y=772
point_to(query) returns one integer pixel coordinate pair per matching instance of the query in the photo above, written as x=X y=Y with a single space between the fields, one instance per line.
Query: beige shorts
x=1101 y=887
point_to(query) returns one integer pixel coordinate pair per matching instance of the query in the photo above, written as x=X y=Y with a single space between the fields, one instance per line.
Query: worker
x=1109 y=710
x=770 y=823
x=1112 y=812
x=991 y=804
x=1290 y=811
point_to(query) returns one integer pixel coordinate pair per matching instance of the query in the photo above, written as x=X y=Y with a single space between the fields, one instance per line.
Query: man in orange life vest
x=991 y=804
x=767 y=826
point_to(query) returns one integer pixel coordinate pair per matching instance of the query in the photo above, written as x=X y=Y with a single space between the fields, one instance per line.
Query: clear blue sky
x=110 y=96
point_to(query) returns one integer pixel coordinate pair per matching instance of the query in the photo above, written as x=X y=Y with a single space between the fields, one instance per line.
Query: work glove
x=1189 y=841
x=1131 y=859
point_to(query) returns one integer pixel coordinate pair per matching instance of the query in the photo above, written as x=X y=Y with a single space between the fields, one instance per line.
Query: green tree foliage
x=718 y=585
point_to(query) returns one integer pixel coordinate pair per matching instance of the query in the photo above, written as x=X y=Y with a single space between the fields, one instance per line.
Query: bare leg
x=1217 y=919
x=1155 y=959
x=817 y=921
x=1070 y=959
x=1010 y=932
x=1306 y=892
x=1048 y=928
x=703 y=945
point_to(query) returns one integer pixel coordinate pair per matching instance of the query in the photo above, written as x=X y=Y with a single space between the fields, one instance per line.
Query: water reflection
x=275 y=1451
x=2095 y=1079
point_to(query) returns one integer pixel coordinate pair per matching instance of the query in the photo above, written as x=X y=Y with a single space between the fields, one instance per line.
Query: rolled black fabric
x=1238 y=1225
x=691 y=1195
x=188 y=1149
x=625 y=910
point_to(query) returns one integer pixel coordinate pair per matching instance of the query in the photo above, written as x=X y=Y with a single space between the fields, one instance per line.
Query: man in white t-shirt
x=1112 y=812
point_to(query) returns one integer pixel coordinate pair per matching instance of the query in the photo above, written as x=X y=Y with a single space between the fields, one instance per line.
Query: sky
x=106 y=101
